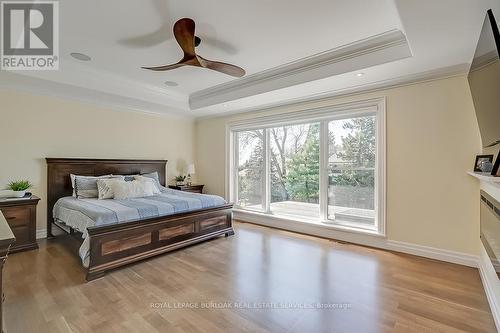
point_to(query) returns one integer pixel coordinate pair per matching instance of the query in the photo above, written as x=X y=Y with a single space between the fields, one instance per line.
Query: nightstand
x=188 y=188
x=21 y=217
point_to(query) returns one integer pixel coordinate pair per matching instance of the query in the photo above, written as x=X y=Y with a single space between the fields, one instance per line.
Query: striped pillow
x=155 y=177
x=73 y=177
x=153 y=182
x=86 y=186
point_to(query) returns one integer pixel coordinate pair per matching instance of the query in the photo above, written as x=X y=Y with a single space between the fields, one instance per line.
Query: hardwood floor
x=365 y=290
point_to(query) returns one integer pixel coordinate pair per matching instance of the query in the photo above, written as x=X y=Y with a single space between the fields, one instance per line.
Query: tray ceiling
x=260 y=36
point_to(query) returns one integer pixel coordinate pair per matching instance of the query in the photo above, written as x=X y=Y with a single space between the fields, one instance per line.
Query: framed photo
x=496 y=167
x=480 y=159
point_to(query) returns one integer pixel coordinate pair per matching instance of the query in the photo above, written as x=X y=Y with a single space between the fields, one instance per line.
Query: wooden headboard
x=59 y=169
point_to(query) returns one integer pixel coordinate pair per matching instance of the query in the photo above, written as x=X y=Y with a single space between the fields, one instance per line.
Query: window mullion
x=323 y=171
x=266 y=198
x=236 y=167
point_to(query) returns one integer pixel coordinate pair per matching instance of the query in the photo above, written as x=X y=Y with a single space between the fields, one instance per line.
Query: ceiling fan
x=184 y=34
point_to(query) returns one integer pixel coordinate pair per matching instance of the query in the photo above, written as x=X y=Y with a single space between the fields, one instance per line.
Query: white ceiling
x=121 y=36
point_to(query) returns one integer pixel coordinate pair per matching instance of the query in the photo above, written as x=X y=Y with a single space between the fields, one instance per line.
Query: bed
x=115 y=233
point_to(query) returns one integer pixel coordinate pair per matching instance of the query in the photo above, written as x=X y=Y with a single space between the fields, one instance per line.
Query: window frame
x=323 y=115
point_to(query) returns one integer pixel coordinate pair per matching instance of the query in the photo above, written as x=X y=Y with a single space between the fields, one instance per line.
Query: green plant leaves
x=19 y=185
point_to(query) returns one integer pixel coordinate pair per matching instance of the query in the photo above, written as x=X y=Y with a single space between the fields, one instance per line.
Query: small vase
x=180 y=183
x=18 y=194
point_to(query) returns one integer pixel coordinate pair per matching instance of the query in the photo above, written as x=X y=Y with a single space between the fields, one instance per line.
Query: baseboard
x=489 y=279
x=362 y=238
x=434 y=253
x=41 y=233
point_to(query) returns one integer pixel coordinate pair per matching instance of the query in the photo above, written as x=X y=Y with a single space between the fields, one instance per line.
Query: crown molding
x=379 y=49
x=37 y=86
x=405 y=80
x=84 y=76
x=15 y=82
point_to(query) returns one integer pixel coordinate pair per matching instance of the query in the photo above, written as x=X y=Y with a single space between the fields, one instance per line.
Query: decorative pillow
x=86 y=187
x=105 y=187
x=155 y=177
x=134 y=189
x=152 y=181
x=73 y=177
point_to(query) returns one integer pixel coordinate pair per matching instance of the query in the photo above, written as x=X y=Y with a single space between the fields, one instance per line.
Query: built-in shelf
x=484 y=176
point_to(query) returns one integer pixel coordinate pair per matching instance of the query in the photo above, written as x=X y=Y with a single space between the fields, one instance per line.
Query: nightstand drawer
x=17 y=216
x=193 y=190
x=188 y=188
x=21 y=217
x=22 y=234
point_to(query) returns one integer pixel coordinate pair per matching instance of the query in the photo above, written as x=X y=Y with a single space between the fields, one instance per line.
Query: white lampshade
x=190 y=169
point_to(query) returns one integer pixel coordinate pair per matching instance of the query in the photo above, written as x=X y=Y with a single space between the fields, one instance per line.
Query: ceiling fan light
x=171 y=83
x=80 y=56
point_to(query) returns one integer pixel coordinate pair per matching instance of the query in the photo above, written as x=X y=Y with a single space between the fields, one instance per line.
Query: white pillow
x=105 y=187
x=134 y=189
x=152 y=181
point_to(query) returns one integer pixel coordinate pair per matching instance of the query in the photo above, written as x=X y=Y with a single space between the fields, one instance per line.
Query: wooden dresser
x=21 y=217
x=6 y=240
x=188 y=188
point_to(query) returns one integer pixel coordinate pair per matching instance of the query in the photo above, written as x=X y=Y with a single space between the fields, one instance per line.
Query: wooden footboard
x=117 y=245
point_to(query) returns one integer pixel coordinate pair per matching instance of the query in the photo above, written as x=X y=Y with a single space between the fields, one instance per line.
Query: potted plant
x=179 y=180
x=19 y=187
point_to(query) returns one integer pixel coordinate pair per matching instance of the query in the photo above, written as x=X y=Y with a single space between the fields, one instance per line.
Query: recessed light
x=171 y=84
x=360 y=74
x=80 y=56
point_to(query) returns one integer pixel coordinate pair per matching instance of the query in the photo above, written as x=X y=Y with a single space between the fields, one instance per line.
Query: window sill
x=254 y=216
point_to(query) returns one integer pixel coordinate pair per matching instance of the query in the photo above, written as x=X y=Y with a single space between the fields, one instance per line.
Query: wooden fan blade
x=184 y=34
x=222 y=67
x=165 y=67
x=193 y=61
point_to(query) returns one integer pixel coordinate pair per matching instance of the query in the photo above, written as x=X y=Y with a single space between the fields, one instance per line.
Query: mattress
x=80 y=214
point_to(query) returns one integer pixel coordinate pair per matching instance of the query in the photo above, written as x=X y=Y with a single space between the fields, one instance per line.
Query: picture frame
x=496 y=167
x=480 y=159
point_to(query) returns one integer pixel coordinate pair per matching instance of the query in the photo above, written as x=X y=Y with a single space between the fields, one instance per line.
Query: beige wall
x=34 y=127
x=432 y=137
